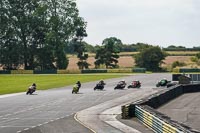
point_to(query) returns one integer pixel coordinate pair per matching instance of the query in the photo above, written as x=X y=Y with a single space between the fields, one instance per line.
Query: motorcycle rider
x=76 y=87
x=101 y=82
x=31 y=88
x=121 y=85
x=163 y=81
x=136 y=82
x=122 y=82
x=78 y=84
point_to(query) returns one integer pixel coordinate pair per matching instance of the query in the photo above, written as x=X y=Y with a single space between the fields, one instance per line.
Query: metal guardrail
x=153 y=122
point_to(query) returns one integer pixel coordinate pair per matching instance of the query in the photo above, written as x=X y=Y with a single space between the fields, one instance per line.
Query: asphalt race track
x=22 y=113
x=184 y=109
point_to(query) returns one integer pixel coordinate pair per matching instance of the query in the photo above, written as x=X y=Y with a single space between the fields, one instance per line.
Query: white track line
x=11 y=95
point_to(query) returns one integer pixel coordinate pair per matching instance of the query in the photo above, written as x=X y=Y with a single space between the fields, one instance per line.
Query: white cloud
x=160 y=22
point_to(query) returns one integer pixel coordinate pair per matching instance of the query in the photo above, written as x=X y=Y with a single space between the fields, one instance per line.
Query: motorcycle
x=120 y=86
x=31 y=90
x=163 y=83
x=99 y=86
x=135 y=84
x=75 y=89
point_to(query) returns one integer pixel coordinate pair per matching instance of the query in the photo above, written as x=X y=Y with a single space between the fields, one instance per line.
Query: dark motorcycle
x=163 y=83
x=135 y=84
x=31 y=90
x=99 y=86
x=120 y=86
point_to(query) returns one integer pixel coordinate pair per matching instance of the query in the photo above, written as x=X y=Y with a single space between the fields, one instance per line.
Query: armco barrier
x=187 y=70
x=94 y=71
x=139 y=70
x=45 y=72
x=144 y=110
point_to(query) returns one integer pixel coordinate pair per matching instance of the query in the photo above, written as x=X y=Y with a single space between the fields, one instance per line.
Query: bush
x=177 y=64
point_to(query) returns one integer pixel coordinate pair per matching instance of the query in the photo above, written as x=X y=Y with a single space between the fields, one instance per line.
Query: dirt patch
x=170 y=59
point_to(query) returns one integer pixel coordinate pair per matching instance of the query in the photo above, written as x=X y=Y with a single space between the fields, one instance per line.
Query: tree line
x=37 y=34
x=130 y=48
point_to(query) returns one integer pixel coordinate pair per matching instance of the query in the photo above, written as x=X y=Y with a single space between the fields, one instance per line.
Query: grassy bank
x=19 y=83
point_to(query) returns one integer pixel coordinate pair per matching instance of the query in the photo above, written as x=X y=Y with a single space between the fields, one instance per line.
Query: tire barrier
x=144 y=110
x=125 y=111
x=153 y=122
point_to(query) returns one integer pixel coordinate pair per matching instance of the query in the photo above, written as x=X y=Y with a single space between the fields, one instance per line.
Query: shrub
x=178 y=64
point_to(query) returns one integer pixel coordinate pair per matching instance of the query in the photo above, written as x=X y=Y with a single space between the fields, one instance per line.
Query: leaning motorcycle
x=75 y=89
x=99 y=86
x=135 y=84
x=120 y=86
x=30 y=91
x=162 y=83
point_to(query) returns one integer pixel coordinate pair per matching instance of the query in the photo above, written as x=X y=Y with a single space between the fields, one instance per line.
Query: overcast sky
x=156 y=22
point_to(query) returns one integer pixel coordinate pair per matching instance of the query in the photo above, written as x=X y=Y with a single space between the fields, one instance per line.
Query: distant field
x=129 y=62
x=126 y=59
x=20 y=83
x=183 y=53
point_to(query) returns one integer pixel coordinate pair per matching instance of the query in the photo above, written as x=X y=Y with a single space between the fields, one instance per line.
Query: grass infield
x=20 y=83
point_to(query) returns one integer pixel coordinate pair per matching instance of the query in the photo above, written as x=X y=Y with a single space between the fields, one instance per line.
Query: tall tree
x=30 y=27
x=150 y=58
x=16 y=33
x=108 y=53
x=80 y=48
x=63 y=22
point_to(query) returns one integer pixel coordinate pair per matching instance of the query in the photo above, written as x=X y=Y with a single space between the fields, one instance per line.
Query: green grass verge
x=20 y=83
